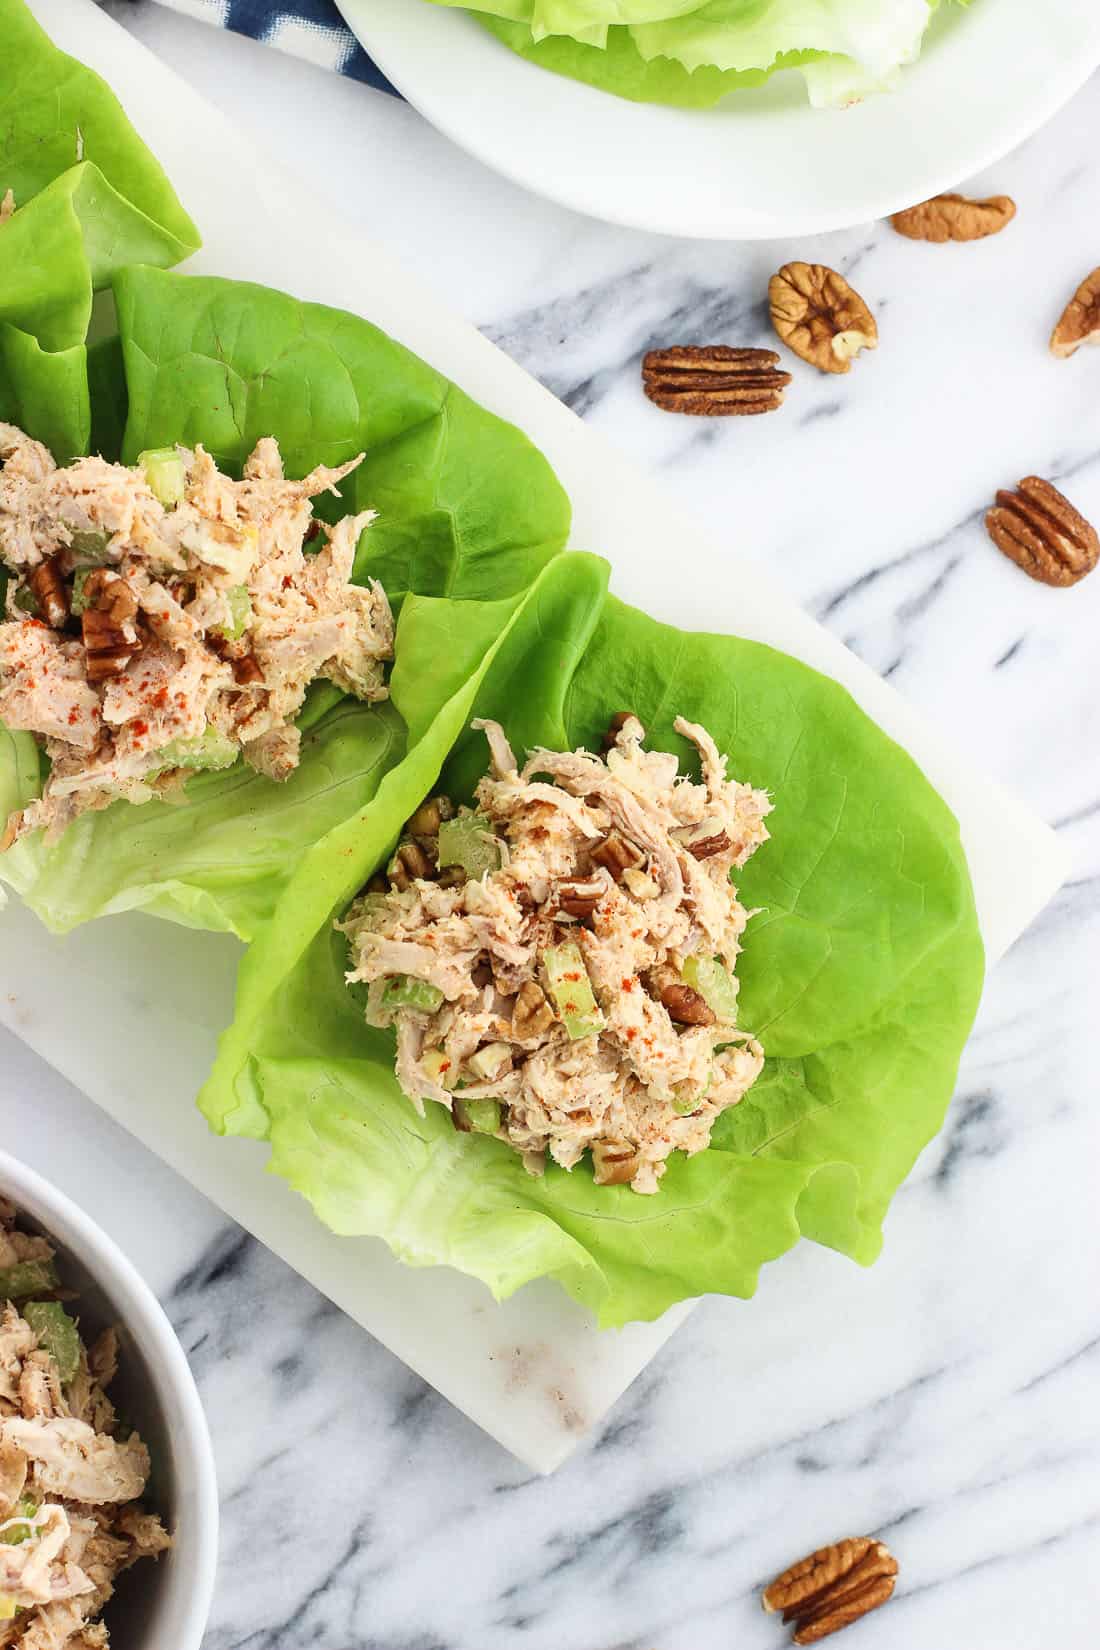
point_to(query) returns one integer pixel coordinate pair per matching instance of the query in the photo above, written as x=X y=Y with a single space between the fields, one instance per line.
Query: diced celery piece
x=482 y=1116
x=487 y=1062
x=715 y=984
x=57 y=1335
x=7 y=1607
x=26 y=1278
x=3 y=593
x=88 y=546
x=240 y=612
x=207 y=750
x=25 y=601
x=570 y=990
x=16 y=1534
x=405 y=991
x=439 y=1067
x=468 y=841
x=76 y=602
x=165 y=474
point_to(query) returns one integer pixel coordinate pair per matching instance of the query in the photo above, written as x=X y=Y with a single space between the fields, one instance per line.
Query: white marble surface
x=946 y=1399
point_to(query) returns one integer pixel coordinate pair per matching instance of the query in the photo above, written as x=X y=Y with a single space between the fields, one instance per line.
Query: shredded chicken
x=70 y=1515
x=575 y=990
x=142 y=640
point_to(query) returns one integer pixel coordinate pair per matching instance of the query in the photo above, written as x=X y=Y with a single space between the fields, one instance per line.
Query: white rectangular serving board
x=129 y=1008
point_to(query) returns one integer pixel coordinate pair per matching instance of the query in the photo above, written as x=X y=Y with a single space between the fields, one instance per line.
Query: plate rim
x=362 y=18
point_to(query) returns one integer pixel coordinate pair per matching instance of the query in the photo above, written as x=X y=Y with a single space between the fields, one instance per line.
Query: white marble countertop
x=947 y=1398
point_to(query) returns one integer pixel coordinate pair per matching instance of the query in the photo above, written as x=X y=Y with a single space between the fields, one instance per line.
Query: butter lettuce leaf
x=692 y=53
x=861 y=973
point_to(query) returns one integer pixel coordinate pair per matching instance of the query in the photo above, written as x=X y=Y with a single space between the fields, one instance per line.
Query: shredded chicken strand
x=626 y=864
x=142 y=640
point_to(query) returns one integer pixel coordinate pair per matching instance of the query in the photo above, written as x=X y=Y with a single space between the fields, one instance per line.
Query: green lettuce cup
x=860 y=974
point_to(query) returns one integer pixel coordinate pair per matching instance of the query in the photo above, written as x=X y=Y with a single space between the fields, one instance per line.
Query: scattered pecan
x=684 y=1005
x=1079 y=322
x=615 y=727
x=106 y=645
x=246 y=670
x=579 y=896
x=955 y=218
x=1038 y=528
x=833 y=1587
x=48 y=588
x=409 y=863
x=714 y=381
x=532 y=1014
x=819 y=316
x=613 y=1164
x=616 y=854
x=452 y=876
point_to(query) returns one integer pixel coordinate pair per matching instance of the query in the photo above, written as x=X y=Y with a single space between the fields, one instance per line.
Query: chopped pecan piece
x=833 y=1587
x=819 y=316
x=108 y=648
x=48 y=588
x=532 y=1014
x=246 y=670
x=685 y=1005
x=707 y=846
x=1038 y=528
x=110 y=594
x=1079 y=322
x=429 y=816
x=955 y=218
x=614 y=1164
x=714 y=381
x=409 y=863
x=616 y=854
x=579 y=896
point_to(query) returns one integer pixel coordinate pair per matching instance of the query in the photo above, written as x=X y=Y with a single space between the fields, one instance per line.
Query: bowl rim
x=1009 y=68
x=140 y=1310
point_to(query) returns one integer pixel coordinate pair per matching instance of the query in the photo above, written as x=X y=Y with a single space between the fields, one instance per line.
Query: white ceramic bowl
x=162 y=1605
x=763 y=164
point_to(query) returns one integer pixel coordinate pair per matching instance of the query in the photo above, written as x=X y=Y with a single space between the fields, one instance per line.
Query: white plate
x=764 y=164
x=534 y=1372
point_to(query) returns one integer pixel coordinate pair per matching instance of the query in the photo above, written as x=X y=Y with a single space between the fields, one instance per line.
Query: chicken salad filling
x=71 y=1473
x=162 y=617
x=558 y=962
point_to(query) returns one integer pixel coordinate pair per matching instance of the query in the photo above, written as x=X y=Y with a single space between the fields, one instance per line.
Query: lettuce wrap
x=860 y=974
x=468 y=508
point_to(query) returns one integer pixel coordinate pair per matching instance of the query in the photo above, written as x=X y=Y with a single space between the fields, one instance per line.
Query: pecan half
x=833 y=1587
x=532 y=1014
x=712 y=380
x=686 y=1006
x=579 y=896
x=613 y=1163
x=1038 y=528
x=616 y=854
x=48 y=588
x=955 y=218
x=1079 y=322
x=106 y=645
x=819 y=316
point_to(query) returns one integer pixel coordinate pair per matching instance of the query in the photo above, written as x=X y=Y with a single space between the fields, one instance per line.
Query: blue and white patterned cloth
x=313 y=29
